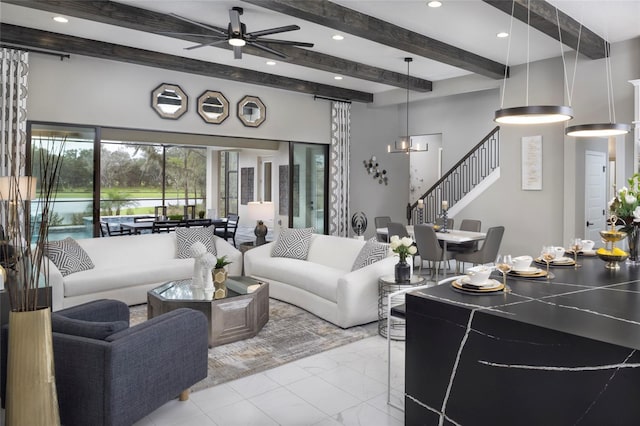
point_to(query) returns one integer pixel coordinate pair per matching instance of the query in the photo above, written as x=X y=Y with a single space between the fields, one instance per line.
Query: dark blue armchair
x=108 y=373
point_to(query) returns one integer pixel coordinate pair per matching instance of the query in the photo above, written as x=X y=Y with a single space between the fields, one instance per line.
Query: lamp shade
x=598 y=130
x=20 y=188
x=260 y=210
x=535 y=114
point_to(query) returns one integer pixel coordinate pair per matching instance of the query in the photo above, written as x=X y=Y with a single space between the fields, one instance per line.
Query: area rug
x=291 y=334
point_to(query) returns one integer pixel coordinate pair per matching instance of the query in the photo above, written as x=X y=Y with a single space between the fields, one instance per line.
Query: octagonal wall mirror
x=251 y=111
x=213 y=107
x=169 y=101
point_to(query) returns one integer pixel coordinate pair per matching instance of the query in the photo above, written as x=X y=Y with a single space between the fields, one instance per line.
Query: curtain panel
x=14 y=69
x=339 y=169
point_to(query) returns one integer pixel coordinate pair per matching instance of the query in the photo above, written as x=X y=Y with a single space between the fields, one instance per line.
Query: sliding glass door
x=308 y=178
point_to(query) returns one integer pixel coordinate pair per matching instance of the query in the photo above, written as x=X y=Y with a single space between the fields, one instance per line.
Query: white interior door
x=595 y=181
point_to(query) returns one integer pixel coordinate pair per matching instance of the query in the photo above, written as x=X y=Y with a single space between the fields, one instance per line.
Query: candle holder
x=444 y=220
x=420 y=212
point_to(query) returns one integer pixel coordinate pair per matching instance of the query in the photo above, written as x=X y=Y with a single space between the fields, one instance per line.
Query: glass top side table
x=387 y=284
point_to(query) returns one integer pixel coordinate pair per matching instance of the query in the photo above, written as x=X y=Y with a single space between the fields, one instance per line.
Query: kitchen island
x=559 y=352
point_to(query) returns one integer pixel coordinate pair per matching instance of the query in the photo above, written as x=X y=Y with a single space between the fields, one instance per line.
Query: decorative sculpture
x=359 y=223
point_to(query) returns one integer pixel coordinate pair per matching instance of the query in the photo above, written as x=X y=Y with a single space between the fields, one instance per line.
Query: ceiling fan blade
x=213 y=43
x=273 y=31
x=237 y=52
x=175 y=33
x=267 y=49
x=284 y=42
x=234 y=20
x=220 y=31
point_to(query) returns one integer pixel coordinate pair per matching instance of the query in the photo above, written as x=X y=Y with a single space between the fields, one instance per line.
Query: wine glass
x=504 y=263
x=576 y=246
x=548 y=254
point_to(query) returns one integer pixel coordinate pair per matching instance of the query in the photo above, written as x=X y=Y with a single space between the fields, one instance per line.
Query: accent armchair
x=108 y=373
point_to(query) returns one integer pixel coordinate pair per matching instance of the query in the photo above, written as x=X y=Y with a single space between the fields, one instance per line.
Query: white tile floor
x=343 y=386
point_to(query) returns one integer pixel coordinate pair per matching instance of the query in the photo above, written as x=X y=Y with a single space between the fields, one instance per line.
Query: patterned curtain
x=339 y=163
x=14 y=68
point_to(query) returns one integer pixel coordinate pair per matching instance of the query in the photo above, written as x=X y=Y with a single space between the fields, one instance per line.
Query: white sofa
x=126 y=267
x=324 y=283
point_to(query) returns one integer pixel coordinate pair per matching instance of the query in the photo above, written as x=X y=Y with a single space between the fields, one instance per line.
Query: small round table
x=386 y=285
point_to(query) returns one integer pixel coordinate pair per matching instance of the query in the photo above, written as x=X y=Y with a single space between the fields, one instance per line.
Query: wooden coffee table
x=240 y=315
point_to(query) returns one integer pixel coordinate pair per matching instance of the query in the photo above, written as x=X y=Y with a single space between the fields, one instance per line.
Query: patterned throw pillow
x=68 y=256
x=371 y=252
x=293 y=243
x=185 y=238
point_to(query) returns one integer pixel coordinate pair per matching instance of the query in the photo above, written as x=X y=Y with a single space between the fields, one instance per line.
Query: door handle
x=590 y=223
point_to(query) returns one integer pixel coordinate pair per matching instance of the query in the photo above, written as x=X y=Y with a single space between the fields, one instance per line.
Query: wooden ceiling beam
x=122 y=15
x=29 y=37
x=341 y=18
x=543 y=18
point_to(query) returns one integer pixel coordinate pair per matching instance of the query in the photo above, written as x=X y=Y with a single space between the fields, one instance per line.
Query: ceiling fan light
x=598 y=130
x=237 y=41
x=537 y=114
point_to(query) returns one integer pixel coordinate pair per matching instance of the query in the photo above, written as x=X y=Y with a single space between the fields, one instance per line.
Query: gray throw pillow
x=293 y=243
x=68 y=256
x=91 y=329
x=371 y=252
x=185 y=238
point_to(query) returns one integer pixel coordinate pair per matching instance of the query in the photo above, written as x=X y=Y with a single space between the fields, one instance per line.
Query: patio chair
x=229 y=231
x=108 y=231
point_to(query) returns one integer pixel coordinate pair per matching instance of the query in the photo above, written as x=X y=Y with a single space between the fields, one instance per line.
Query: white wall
x=84 y=90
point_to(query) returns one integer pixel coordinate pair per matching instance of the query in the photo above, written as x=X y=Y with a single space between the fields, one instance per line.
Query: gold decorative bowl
x=612 y=259
x=612 y=236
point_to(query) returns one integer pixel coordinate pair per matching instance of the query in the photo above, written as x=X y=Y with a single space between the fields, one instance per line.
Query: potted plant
x=31 y=396
x=219 y=277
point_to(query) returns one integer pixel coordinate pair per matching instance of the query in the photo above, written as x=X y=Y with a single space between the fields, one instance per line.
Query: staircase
x=466 y=180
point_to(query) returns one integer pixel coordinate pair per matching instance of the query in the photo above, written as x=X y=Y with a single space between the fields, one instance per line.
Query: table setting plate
x=531 y=272
x=583 y=252
x=464 y=285
x=563 y=261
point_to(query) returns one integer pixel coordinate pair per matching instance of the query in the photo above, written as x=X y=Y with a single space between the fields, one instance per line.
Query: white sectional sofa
x=324 y=283
x=126 y=267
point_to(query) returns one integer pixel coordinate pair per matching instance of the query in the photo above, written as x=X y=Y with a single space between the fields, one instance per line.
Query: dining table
x=455 y=236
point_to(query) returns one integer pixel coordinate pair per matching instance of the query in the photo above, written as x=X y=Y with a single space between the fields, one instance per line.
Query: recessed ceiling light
x=434 y=3
x=337 y=77
x=338 y=37
x=502 y=34
x=60 y=19
x=272 y=63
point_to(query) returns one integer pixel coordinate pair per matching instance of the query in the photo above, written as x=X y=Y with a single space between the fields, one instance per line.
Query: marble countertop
x=590 y=302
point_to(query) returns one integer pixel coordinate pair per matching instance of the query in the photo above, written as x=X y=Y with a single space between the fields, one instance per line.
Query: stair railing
x=472 y=169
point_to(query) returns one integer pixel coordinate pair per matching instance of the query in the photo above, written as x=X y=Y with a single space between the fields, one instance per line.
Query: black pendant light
x=404 y=144
x=529 y=114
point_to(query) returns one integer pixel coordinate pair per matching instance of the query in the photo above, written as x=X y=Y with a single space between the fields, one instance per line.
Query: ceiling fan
x=237 y=36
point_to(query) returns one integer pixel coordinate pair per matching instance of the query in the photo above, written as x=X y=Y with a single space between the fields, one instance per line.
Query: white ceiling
x=467 y=24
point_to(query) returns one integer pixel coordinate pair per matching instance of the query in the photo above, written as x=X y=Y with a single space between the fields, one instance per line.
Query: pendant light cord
x=528 y=27
x=612 y=107
x=408 y=138
x=564 y=64
x=506 y=65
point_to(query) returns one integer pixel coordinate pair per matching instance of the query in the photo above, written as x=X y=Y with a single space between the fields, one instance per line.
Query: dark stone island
x=564 y=352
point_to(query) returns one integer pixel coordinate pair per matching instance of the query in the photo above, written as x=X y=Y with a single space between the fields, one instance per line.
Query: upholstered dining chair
x=428 y=246
x=440 y=222
x=395 y=228
x=485 y=254
x=382 y=222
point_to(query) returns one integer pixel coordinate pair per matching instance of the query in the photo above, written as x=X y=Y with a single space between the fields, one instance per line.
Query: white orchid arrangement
x=403 y=247
x=626 y=204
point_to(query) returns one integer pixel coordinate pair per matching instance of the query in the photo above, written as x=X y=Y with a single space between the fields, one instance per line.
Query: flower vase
x=31 y=387
x=403 y=271
x=633 y=239
x=219 y=279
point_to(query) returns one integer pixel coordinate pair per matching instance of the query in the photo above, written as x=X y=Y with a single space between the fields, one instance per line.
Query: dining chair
x=440 y=222
x=428 y=246
x=485 y=254
x=395 y=299
x=469 y=246
x=107 y=231
x=382 y=222
x=160 y=226
x=398 y=229
x=230 y=230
